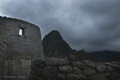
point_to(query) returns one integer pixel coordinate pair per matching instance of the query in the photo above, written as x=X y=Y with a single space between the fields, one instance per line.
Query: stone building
x=24 y=44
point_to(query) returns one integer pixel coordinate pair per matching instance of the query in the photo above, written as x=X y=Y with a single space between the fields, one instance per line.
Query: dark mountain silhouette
x=97 y=56
x=106 y=55
x=55 y=46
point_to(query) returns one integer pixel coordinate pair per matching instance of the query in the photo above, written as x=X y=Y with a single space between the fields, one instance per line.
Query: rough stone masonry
x=23 y=45
x=66 y=69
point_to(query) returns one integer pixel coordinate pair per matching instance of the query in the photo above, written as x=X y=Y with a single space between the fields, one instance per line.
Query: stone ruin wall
x=28 y=45
x=66 y=69
x=3 y=53
x=22 y=49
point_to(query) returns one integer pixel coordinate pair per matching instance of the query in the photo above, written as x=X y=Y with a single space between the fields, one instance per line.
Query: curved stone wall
x=25 y=46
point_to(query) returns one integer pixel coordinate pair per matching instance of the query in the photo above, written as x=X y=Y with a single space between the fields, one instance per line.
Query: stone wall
x=65 y=69
x=3 y=52
x=21 y=48
x=27 y=46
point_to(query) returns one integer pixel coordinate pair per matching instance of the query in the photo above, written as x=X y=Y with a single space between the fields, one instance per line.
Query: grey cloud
x=89 y=24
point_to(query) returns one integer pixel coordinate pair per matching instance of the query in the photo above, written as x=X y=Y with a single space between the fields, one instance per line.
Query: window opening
x=21 y=31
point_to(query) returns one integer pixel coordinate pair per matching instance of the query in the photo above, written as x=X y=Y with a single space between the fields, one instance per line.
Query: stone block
x=89 y=63
x=76 y=77
x=57 y=61
x=1 y=71
x=3 y=49
x=89 y=72
x=39 y=72
x=39 y=78
x=67 y=69
x=114 y=75
x=50 y=72
x=76 y=70
x=109 y=68
x=98 y=77
x=1 y=76
x=1 y=66
x=101 y=68
x=1 y=59
x=61 y=76
x=80 y=65
x=3 y=45
x=2 y=54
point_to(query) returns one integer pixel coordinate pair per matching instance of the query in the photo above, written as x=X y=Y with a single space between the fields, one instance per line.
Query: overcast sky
x=85 y=24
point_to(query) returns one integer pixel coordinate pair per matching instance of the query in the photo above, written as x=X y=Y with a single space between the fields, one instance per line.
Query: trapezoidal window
x=21 y=31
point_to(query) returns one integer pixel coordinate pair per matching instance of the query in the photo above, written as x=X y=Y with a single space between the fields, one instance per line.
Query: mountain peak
x=55 y=31
x=54 y=45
